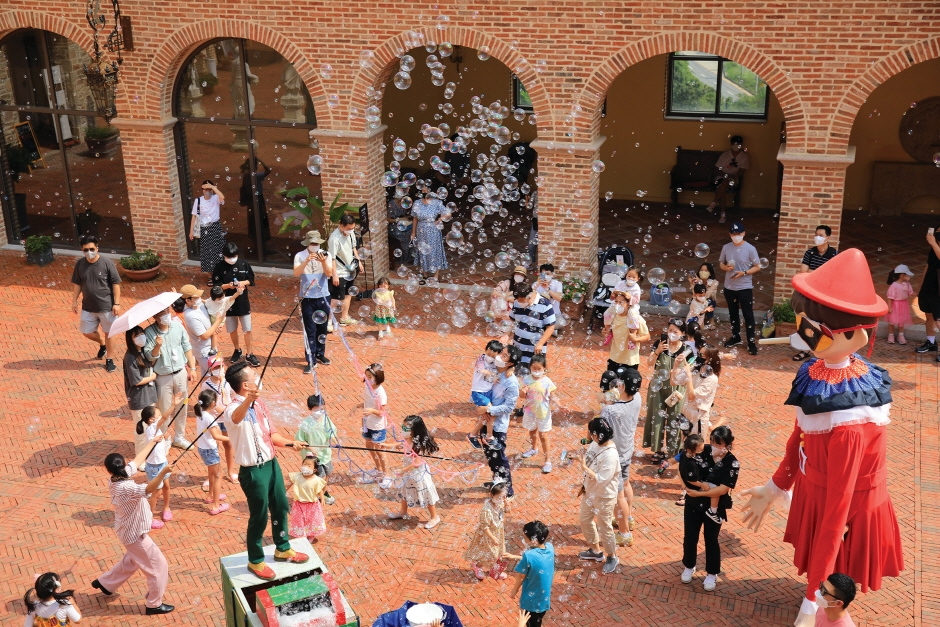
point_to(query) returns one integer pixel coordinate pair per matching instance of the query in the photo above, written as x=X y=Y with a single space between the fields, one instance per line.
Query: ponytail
x=44 y=589
x=207 y=398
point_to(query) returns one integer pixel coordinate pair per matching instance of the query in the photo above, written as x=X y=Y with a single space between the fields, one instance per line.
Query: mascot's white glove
x=760 y=502
x=807 y=615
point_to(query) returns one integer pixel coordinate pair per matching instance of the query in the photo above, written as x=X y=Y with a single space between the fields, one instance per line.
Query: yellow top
x=306 y=489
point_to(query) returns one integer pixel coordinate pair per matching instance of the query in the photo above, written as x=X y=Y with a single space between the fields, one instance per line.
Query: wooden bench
x=695 y=172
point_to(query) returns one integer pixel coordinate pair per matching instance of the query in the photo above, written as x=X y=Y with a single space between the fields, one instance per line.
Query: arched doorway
x=245 y=120
x=459 y=120
x=63 y=168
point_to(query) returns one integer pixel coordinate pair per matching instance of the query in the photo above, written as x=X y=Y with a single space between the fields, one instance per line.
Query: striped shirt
x=812 y=259
x=531 y=322
x=132 y=515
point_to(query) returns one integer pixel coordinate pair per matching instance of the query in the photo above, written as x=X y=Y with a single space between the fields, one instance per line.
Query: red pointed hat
x=844 y=284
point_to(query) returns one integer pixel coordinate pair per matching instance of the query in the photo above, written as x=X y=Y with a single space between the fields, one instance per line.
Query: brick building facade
x=821 y=60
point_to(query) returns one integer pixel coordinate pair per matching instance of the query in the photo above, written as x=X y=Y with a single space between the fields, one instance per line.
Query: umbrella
x=142 y=311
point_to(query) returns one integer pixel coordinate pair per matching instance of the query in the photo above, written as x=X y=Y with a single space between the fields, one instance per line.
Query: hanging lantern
x=102 y=77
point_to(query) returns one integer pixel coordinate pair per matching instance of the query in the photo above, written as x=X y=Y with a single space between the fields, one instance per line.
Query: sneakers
x=547 y=468
x=734 y=340
x=109 y=365
x=475 y=441
x=253 y=361
x=530 y=453
x=323 y=359
x=624 y=539
x=385 y=483
x=752 y=348
x=710 y=582
x=891 y=338
x=236 y=355
x=292 y=556
x=713 y=516
x=687 y=575
x=102 y=352
x=347 y=321
x=329 y=499
x=927 y=347
x=610 y=565
x=181 y=442
x=902 y=339
x=722 y=219
x=591 y=555
x=308 y=369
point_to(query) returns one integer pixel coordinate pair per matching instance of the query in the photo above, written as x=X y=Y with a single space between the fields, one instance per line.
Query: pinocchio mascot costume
x=841 y=518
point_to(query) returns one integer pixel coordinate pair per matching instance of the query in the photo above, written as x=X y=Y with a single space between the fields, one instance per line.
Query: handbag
x=197 y=219
x=673 y=398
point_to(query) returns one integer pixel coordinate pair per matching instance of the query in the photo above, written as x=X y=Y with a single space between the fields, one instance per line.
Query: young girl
x=207 y=410
x=699 y=307
x=307 y=489
x=418 y=488
x=631 y=284
x=216 y=382
x=705 y=275
x=536 y=411
x=374 y=420
x=899 y=295
x=693 y=338
x=48 y=605
x=489 y=540
x=385 y=309
x=156 y=461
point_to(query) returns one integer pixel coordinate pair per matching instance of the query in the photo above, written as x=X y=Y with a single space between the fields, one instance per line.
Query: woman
x=211 y=236
x=139 y=377
x=701 y=388
x=705 y=275
x=661 y=428
x=132 y=518
x=601 y=466
x=629 y=331
x=429 y=243
x=928 y=299
x=717 y=466
x=501 y=298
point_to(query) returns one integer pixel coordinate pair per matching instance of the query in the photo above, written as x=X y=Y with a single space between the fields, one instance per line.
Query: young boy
x=623 y=415
x=481 y=389
x=699 y=306
x=534 y=573
x=318 y=430
x=536 y=412
x=218 y=304
x=691 y=472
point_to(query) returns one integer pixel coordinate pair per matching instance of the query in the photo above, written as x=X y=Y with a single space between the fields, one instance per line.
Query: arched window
x=62 y=166
x=245 y=120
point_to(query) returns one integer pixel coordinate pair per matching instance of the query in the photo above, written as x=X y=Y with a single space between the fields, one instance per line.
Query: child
x=418 y=488
x=207 y=428
x=536 y=412
x=693 y=338
x=899 y=295
x=489 y=540
x=534 y=573
x=631 y=284
x=374 y=421
x=481 y=388
x=385 y=309
x=149 y=419
x=47 y=604
x=218 y=303
x=307 y=488
x=706 y=276
x=699 y=306
x=217 y=383
x=318 y=431
x=691 y=472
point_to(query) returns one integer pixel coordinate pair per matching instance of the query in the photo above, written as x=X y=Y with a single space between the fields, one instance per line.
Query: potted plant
x=304 y=208
x=207 y=82
x=784 y=319
x=141 y=266
x=102 y=141
x=38 y=250
x=574 y=296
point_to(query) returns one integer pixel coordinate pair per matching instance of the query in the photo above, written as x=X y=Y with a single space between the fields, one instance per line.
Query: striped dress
x=132 y=515
x=531 y=322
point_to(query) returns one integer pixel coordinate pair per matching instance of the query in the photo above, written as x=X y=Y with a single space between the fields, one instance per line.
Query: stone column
x=153 y=187
x=813 y=187
x=353 y=164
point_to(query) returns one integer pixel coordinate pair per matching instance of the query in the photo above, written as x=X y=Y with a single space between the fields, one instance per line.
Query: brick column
x=153 y=187
x=353 y=164
x=568 y=190
x=813 y=186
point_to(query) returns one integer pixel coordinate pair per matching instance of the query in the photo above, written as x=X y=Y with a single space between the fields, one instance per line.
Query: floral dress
x=417 y=489
x=429 y=253
x=482 y=550
x=663 y=421
x=384 y=312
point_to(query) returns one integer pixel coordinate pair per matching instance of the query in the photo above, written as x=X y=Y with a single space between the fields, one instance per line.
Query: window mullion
x=721 y=70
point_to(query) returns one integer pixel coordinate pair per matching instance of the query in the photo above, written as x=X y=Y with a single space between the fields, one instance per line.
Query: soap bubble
x=181 y=477
x=443 y=329
x=314 y=163
x=936 y=159
x=587 y=229
x=483 y=53
x=407 y=63
x=608 y=195
x=402 y=80
x=445 y=49
x=598 y=166
x=702 y=250
x=648 y=238
x=656 y=385
x=319 y=316
x=502 y=260
x=681 y=377
x=640 y=193
x=706 y=371
x=674 y=307
x=656 y=276
x=454 y=239
x=353 y=290
x=326 y=70
x=577 y=297
x=366 y=59
x=764 y=263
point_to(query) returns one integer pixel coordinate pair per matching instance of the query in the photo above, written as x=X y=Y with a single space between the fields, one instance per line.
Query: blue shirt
x=313 y=282
x=505 y=395
x=538 y=566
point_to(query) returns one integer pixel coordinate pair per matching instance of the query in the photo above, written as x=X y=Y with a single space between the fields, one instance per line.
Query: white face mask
x=620 y=308
x=675 y=337
x=91 y=254
x=537 y=375
x=231 y=260
x=195 y=303
x=819 y=240
x=216 y=372
x=704 y=275
x=313 y=248
x=518 y=278
x=140 y=340
x=164 y=319
x=488 y=359
x=498 y=362
x=821 y=601
x=737 y=239
x=700 y=299
x=306 y=471
x=630 y=282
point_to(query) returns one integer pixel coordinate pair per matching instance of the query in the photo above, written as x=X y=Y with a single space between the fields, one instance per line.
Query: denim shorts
x=376 y=435
x=210 y=456
x=481 y=399
x=153 y=470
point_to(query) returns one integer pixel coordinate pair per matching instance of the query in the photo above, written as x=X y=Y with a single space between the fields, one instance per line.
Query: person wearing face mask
x=549 y=287
x=820 y=253
x=739 y=260
x=705 y=275
x=169 y=347
x=198 y=325
x=660 y=429
x=834 y=596
x=629 y=330
x=729 y=175
x=347 y=264
x=314 y=267
x=139 y=376
x=205 y=219
x=233 y=274
x=97 y=280
x=698 y=306
x=534 y=319
x=505 y=396
x=430 y=252
x=501 y=297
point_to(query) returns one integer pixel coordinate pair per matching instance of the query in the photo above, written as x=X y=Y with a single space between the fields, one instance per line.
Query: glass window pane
x=742 y=91
x=23 y=78
x=211 y=84
x=694 y=86
x=68 y=86
x=693 y=53
x=275 y=90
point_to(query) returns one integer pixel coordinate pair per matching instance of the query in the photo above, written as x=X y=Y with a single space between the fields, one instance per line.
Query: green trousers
x=264 y=489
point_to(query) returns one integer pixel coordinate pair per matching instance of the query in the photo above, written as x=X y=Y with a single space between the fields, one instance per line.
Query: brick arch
x=168 y=61
x=386 y=59
x=840 y=128
x=80 y=35
x=776 y=78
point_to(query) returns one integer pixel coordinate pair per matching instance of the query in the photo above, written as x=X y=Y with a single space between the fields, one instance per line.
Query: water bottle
x=564 y=457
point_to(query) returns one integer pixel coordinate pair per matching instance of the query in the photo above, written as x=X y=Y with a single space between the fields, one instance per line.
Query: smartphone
x=930 y=231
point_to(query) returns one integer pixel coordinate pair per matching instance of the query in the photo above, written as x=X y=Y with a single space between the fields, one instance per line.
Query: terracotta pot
x=100 y=148
x=142 y=275
x=784 y=329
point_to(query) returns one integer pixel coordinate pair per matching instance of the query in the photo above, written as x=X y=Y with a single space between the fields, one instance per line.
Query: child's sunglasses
x=818 y=336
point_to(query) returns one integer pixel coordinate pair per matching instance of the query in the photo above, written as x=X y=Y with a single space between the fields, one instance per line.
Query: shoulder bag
x=197 y=219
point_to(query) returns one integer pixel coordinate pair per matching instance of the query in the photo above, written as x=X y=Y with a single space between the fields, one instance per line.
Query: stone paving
x=62 y=413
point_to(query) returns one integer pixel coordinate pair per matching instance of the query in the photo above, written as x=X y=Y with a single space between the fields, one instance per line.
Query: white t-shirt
x=553 y=286
x=197 y=323
x=52 y=609
x=341 y=248
x=372 y=400
x=206 y=442
x=215 y=307
x=158 y=455
x=483 y=375
x=207 y=210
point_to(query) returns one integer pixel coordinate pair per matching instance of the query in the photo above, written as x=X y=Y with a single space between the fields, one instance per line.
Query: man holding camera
x=342 y=247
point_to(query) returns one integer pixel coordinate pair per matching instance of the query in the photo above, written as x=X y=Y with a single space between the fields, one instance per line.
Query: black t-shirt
x=724 y=472
x=693 y=469
x=931 y=284
x=96 y=280
x=226 y=272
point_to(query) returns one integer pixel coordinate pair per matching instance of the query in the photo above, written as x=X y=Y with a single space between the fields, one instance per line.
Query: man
x=342 y=247
x=231 y=274
x=169 y=347
x=813 y=258
x=534 y=319
x=739 y=260
x=833 y=598
x=98 y=282
x=314 y=265
x=730 y=174
x=198 y=327
x=253 y=438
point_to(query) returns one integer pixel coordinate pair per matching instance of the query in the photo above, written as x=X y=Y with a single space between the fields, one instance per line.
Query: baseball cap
x=189 y=291
x=737 y=227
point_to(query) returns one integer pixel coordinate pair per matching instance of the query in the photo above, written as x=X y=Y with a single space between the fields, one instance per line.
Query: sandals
x=223 y=507
x=478 y=573
x=222 y=497
x=800 y=356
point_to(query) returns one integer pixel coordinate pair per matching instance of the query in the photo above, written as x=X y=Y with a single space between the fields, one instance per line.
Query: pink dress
x=898 y=296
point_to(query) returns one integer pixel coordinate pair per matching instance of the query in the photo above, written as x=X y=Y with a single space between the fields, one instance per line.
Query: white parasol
x=142 y=311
